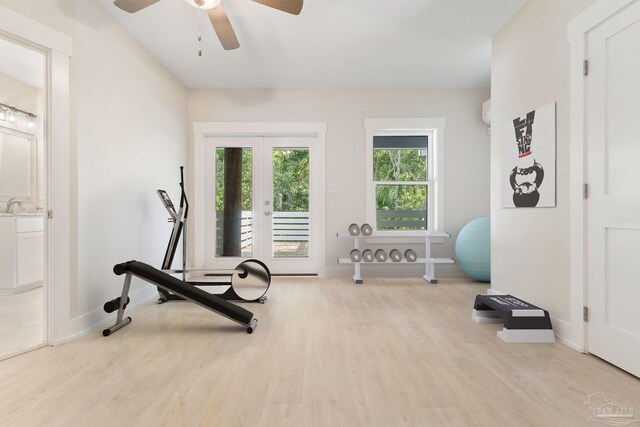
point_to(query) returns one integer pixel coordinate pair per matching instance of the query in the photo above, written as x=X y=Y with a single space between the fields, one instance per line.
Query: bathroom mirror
x=17 y=165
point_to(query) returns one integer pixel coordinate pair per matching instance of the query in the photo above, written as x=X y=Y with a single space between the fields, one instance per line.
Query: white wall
x=131 y=130
x=128 y=133
x=530 y=68
x=466 y=176
x=57 y=14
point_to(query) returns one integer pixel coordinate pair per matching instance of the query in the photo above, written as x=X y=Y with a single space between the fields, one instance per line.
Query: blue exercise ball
x=473 y=249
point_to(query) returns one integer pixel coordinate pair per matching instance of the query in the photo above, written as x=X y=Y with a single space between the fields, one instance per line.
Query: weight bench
x=178 y=287
x=523 y=322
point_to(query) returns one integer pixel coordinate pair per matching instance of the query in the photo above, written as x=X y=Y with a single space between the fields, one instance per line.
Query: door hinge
x=585 y=190
x=585 y=314
x=50 y=214
x=585 y=67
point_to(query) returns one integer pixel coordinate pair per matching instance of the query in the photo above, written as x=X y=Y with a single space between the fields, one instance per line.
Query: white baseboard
x=562 y=329
x=18 y=289
x=452 y=271
x=570 y=344
x=95 y=319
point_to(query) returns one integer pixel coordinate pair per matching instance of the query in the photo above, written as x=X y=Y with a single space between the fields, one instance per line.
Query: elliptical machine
x=249 y=281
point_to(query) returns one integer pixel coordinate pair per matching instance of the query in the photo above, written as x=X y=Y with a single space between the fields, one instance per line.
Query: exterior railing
x=294 y=226
x=401 y=220
x=287 y=227
x=291 y=226
x=246 y=230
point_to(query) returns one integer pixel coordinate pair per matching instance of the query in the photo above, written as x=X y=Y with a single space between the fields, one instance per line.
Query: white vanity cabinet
x=21 y=253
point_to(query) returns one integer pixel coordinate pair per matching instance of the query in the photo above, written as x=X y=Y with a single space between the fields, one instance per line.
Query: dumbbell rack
x=429 y=275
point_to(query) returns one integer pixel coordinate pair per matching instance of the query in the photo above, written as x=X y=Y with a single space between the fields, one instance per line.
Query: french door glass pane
x=401 y=207
x=234 y=222
x=290 y=219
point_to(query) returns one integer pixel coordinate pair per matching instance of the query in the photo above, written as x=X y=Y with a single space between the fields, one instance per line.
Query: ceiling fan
x=217 y=15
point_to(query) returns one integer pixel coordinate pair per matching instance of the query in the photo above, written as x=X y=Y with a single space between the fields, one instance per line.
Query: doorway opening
x=260 y=196
x=23 y=195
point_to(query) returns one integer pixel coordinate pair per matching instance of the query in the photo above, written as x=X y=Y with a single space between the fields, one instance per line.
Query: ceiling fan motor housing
x=204 y=4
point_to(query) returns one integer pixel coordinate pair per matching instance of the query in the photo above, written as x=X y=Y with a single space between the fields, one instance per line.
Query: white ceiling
x=21 y=63
x=331 y=44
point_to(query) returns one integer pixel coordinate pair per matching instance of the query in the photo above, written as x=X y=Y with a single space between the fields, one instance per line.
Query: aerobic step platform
x=523 y=322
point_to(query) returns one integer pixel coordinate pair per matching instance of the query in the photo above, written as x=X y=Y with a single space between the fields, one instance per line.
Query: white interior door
x=278 y=192
x=613 y=148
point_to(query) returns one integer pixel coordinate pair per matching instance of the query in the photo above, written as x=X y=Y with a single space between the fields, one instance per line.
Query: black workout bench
x=177 y=287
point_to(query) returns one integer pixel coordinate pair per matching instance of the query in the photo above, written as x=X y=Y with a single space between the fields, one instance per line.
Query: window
x=400 y=166
x=404 y=188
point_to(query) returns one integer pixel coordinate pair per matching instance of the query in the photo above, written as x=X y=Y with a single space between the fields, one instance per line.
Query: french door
x=262 y=202
x=613 y=229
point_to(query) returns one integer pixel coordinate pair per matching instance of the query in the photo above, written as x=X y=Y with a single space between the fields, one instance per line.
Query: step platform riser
x=523 y=322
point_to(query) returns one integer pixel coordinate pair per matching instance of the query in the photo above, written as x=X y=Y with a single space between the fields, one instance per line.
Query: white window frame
x=433 y=128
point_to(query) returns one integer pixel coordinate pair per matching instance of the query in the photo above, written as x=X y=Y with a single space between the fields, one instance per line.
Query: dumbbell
x=410 y=255
x=395 y=255
x=355 y=255
x=366 y=229
x=114 y=304
x=354 y=229
x=368 y=256
x=381 y=255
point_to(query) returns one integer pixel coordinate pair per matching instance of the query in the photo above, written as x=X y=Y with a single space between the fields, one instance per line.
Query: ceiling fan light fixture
x=216 y=14
x=204 y=4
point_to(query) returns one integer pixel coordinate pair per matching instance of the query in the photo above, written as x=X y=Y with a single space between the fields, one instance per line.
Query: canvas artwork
x=529 y=160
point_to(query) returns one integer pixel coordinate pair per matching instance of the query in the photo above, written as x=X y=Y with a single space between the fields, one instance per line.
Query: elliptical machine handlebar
x=184 y=202
x=179 y=219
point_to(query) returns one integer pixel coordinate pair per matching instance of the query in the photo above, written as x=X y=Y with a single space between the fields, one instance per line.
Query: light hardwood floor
x=326 y=353
x=21 y=321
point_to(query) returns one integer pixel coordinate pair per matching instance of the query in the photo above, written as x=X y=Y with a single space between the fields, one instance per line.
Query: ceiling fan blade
x=223 y=28
x=133 y=6
x=293 y=7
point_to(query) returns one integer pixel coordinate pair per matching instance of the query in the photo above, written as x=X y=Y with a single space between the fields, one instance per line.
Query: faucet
x=11 y=203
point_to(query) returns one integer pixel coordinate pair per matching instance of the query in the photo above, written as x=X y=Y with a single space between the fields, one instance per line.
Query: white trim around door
x=204 y=130
x=578 y=31
x=57 y=48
